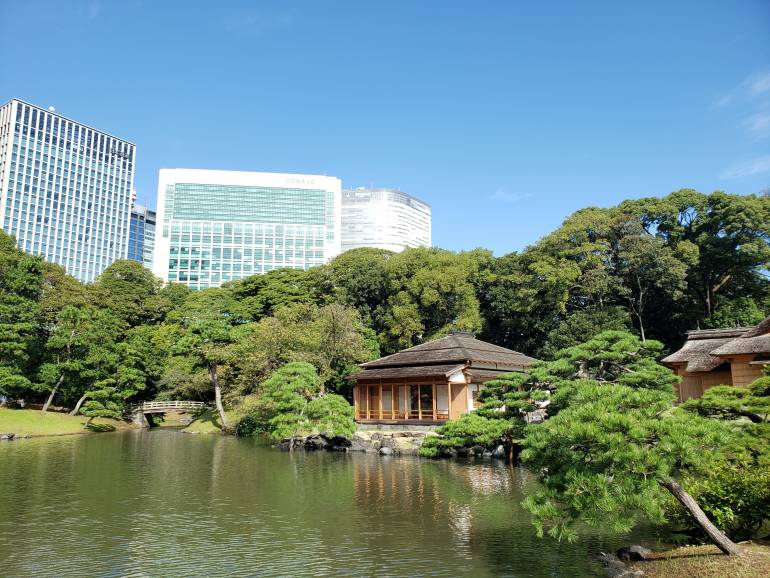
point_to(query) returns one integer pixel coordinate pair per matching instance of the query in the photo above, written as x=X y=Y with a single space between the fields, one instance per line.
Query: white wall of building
x=384 y=219
x=328 y=232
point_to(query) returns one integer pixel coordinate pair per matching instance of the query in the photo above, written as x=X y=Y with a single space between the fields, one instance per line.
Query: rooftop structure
x=709 y=357
x=431 y=382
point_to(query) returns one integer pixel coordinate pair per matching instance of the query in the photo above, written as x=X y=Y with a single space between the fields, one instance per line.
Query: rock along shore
x=398 y=443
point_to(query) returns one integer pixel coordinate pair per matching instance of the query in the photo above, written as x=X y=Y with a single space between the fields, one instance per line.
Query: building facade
x=384 y=219
x=141 y=235
x=65 y=189
x=218 y=226
x=432 y=382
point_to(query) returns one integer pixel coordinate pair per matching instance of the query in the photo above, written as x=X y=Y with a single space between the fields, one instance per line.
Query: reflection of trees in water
x=468 y=511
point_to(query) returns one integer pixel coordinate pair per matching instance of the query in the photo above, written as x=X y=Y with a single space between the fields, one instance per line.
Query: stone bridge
x=138 y=411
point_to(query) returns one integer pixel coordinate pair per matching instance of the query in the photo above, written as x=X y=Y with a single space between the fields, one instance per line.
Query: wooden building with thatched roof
x=431 y=382
x=712 y=357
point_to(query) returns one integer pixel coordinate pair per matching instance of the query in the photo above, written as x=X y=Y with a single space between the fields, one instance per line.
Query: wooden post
x=434 y=399
x=394 y=407
x=380 y=400
x=419 y=402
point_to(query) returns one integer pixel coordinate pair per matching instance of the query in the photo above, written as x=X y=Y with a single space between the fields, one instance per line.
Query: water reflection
x=163 y=503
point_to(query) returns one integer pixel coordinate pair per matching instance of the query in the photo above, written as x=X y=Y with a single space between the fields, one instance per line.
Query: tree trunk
x=47 y=403
x=707 y=296
x=78 y=404
x=715 y=534
x=641 y=308
x=218 y=396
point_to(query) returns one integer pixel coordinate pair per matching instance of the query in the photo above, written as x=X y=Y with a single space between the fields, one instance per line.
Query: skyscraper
x=141 y=235
x=217 y=226
x=65 y=188
x=384 y=219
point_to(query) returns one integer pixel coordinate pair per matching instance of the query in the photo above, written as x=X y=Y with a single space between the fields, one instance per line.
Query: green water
x=164 y=503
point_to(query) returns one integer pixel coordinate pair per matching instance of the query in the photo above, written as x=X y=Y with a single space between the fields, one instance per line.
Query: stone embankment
x=398 y=443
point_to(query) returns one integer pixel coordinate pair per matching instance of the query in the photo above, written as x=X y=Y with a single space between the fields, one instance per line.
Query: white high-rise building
x=217 y=226
x=65 y=189
x=384 y=219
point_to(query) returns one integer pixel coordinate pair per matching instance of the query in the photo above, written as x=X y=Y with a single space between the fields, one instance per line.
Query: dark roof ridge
x=694 y=334
x=452 y=347
x=761 y=328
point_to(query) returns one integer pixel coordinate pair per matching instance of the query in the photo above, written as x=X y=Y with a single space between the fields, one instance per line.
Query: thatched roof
x=696 y=354
x=455 y=348
x=752 y=342
x=705 y=349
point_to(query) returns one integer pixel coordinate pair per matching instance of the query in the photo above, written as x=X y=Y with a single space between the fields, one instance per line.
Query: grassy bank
x=208 y=422
x=707 y=561
x=32 y=422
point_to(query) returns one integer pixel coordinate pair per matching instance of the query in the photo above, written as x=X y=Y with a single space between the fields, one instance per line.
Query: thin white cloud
x=755 y=166
x=754 y=86
x=503 y=196
x=724 y=100
x=759 y=83
x=758 y=124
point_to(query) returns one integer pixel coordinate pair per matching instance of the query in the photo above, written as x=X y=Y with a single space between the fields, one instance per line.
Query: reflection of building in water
x=408 y=493
x=488 y=479
x=393 y=486
x=461 y=522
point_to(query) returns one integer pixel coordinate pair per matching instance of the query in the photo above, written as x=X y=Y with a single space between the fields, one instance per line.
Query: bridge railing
x=169 y=405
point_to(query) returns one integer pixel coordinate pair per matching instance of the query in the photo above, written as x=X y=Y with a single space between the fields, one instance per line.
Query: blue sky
x=504 y=116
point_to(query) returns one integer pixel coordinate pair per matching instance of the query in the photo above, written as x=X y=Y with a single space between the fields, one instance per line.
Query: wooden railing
x=414 y=415
x=166 y=405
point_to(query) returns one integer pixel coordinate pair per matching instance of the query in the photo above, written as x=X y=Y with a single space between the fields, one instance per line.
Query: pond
x=164 y=503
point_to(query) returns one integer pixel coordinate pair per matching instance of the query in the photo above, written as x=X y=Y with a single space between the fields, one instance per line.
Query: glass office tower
x=141 y=235
x=218 y=226
x=65 y=189
x=384 y=219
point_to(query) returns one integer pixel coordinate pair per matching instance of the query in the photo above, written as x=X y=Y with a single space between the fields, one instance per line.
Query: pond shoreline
x=235 y=504
x=17 y=424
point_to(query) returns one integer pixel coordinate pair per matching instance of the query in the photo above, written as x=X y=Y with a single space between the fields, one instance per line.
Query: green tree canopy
x=612 y=458
x=205 y=326
x=21 y=278
x=291 y=404
x=261 y=295
x=130 y=291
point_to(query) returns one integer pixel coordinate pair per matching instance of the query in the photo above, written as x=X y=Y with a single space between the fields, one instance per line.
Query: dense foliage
x=291 y=404
x=509 y=402
x=611 y=448
x=654 y=266
x=736 y=495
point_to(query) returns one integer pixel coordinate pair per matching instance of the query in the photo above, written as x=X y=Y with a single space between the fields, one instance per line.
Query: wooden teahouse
x=712 y=357
x=431 y=382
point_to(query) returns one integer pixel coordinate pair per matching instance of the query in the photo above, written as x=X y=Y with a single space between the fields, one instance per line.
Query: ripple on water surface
x=162 y=503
